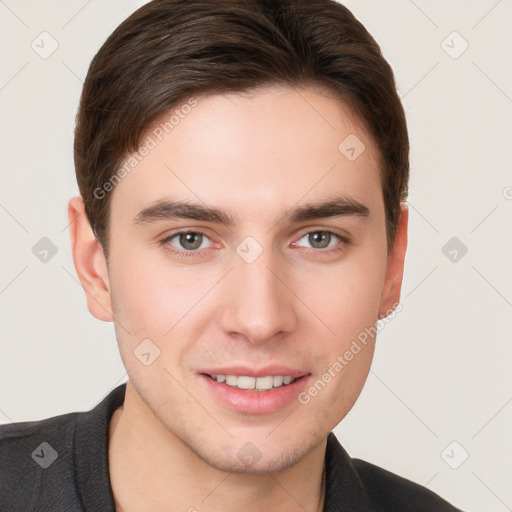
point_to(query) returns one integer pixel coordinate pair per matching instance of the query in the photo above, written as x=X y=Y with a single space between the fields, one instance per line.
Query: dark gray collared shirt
x=60 y=464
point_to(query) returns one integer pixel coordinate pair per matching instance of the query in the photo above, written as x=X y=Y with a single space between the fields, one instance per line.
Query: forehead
x=254 y=152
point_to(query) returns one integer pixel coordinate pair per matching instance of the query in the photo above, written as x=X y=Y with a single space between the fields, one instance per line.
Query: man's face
x=267 y=296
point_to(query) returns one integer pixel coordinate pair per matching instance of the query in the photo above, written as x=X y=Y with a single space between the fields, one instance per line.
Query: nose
x=259 y=304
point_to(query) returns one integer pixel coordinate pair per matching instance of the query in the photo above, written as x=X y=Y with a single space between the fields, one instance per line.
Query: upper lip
x=256 y=372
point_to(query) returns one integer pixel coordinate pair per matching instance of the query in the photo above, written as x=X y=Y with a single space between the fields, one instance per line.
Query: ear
x=395 y=269
x=89 y=260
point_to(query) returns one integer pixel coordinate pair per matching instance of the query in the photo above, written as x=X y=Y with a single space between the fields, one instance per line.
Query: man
x=243 y=167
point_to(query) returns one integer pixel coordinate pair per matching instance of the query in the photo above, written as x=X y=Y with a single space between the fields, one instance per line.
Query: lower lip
x=254 y=401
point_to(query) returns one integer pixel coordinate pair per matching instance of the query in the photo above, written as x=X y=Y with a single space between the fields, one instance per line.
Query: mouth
x=254 y=391
x=250 y=383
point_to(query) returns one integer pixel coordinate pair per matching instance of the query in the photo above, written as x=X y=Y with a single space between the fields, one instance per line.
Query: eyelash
x=345 y=241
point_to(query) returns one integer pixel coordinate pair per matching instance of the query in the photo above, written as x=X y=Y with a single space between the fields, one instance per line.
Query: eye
x=321 y=239
x=186 y=242
x=190 y=243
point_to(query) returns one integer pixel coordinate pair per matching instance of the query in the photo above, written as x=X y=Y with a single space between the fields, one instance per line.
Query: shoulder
x=59 y=463
x=21 y=439
x=34 y=456
x=389 y=492
x=362 y=486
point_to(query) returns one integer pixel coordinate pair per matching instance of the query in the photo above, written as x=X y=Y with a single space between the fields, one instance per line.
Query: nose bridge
x=260 y=306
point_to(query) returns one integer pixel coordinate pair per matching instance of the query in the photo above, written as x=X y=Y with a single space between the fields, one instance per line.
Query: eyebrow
x=165 y=209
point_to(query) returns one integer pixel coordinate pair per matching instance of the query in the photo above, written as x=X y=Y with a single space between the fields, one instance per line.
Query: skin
x=173 y=446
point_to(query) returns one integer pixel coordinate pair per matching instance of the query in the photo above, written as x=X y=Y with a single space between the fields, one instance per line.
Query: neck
x=168 y=472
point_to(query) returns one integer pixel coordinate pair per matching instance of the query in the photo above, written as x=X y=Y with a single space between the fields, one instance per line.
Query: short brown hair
x=170 y=50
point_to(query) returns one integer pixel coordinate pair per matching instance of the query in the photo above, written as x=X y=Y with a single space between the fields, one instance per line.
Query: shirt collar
x=344 y=490
x=91 y=453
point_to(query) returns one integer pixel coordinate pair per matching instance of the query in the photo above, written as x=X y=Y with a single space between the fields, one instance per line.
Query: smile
x=254 y=383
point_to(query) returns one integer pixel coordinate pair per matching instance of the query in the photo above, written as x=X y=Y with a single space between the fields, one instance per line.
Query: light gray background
x=442 y=367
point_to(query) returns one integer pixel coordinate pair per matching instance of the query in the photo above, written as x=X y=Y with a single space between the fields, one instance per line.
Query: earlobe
x=89 y=261
x=395 y=270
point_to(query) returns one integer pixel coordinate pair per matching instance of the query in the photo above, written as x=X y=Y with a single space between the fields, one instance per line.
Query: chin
x=250 y=460
x=252 y=455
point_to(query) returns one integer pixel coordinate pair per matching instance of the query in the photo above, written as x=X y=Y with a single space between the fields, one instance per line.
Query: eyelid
x=338 y=232
x=201 y=231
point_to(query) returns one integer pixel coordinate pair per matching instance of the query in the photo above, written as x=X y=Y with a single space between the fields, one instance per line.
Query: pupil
x=317 y=239
x=190 y=240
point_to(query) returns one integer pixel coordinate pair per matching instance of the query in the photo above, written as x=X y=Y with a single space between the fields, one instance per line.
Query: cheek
x=349 y=305
x=148 y=303
x=161 y=302
x=347 y=298
x=152 y=298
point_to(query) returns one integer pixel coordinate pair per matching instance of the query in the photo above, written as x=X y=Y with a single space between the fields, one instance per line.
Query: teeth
x=259 y=383
x=265 y=382
x=246 y=382
x=278 y=381
x=232 y=380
